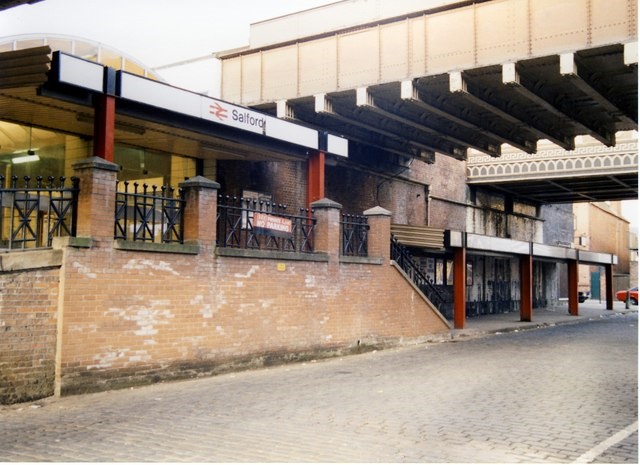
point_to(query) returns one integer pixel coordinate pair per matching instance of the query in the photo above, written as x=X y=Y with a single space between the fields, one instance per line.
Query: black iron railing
x=31 y=215
x=248 y=223
x=149 y=213
x=354 y=235
x=401 y=255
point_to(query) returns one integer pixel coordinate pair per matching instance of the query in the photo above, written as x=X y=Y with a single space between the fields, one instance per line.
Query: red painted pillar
x=526 y=288
x=608 y=282
x=572 y=266
x=315 y=177
x=104 y=127
x=459 y=287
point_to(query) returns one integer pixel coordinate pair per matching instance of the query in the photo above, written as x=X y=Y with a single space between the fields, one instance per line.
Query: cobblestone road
x=548 y=395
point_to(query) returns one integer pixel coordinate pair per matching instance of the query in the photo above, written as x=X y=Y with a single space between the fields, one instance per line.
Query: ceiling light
x=31 y=157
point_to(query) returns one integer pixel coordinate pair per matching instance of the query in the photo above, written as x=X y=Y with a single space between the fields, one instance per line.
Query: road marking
x=621 y=435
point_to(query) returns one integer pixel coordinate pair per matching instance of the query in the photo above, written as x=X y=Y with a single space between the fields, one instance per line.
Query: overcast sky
x=156 y=32
x=162 y=32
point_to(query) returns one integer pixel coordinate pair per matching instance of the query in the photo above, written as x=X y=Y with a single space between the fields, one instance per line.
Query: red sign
x=264 y=223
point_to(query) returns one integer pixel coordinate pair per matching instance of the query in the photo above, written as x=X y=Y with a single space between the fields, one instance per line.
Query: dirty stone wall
x=495 y=215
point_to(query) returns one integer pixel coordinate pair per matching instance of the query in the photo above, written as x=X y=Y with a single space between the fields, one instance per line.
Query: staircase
x=401 y=255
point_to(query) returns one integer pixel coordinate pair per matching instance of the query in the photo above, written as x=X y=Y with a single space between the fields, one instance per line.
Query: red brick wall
x=285 y=181
x=357 y=189
x=28 y=311
x=133 y=317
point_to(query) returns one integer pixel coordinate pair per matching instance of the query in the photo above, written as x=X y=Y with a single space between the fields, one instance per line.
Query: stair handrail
x=401 y=255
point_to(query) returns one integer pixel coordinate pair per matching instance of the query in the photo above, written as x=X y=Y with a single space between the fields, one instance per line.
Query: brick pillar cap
x=377 y=211
x=199 y=181
x=326 y=203
x=96 y=162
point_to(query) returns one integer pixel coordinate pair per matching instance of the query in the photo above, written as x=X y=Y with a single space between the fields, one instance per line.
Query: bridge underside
x=569 y=189
x=591 y=92
x=555 y=98
x=482 y=76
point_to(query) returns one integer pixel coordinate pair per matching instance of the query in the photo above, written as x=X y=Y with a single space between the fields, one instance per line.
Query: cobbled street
x=559 y=394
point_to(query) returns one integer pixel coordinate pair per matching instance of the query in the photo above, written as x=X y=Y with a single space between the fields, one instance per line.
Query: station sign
x=160 y=95
x=83 y=73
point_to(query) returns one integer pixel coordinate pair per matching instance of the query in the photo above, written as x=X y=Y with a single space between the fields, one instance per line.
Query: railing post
x=379 y=221
x=326 y=236
x=201 y=196
x=97 y=197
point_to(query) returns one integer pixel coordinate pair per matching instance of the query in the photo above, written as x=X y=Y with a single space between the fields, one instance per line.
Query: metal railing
x=32 y=215
x=400 y=254
x=248 y=223
x=149 y=213
x=354 y=233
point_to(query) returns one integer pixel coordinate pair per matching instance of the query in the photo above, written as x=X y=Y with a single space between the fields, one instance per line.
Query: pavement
x=550 y=316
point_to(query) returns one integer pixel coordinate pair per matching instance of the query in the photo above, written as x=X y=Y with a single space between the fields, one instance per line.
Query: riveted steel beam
x=459 y=86
x=409 y=93
x=526 y=89
x=324 y=106
x=581 y=78
x=365 y=100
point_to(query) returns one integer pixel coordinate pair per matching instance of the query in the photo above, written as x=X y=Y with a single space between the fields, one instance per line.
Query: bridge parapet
x=563 y=175
x=586 y=160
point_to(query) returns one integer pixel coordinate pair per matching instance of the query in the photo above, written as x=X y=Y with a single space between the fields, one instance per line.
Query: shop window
x=152 y=167
x=26 y=151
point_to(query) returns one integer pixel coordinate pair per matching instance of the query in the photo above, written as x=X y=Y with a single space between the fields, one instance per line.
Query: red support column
x=104 y=127
x=315 y=177
x=459 y=287
x=526 y=287
x=608 y=282
x=572 y=266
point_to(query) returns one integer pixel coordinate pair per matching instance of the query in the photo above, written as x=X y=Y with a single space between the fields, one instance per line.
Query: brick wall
x=286 y=181
x=28 y=319
x=128 y=314
x=404 y=195
x=133 y=317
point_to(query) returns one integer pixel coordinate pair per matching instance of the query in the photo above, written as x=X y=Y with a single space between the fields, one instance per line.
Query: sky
x=158 y=33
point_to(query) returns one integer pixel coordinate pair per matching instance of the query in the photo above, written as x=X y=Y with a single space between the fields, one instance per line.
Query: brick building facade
x=96 y=313
x=115 y=304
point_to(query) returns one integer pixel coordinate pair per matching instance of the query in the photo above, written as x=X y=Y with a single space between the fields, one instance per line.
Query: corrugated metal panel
x=418 y=236
x=22 y=68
